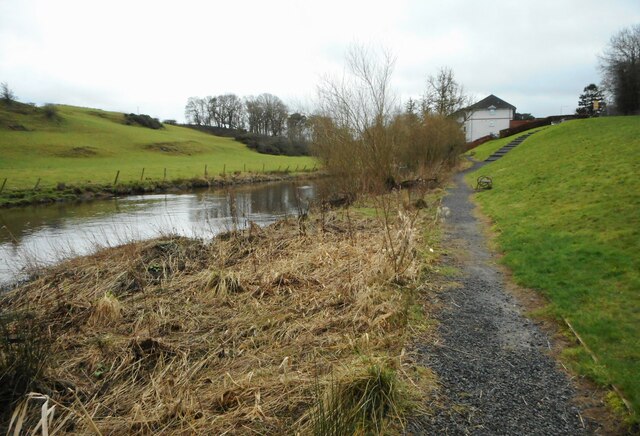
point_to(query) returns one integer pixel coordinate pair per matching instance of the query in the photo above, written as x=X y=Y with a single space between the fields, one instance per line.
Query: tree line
x=265 y=114
x=619 y=93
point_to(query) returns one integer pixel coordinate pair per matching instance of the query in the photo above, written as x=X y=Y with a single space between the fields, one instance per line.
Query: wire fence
x=154 y=175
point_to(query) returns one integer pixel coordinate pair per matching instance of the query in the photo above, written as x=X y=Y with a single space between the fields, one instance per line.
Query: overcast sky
x=150 y=56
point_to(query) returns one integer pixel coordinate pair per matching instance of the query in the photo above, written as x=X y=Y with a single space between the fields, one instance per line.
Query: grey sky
x=152 y=55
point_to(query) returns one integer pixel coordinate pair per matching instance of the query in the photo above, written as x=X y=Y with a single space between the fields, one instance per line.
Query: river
x=35 y=236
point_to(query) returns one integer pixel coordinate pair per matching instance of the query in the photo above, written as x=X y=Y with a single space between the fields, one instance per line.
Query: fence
x=154 y=175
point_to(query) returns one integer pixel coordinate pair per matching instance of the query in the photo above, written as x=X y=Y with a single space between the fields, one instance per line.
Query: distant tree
x=266 y=114
x=6 y=94
x=411 y=107
x=297 y=127
x=523 y=117
x=591 y=101
x=444 y=95
x=193 y=111
x=620 y=65
x=231 y=111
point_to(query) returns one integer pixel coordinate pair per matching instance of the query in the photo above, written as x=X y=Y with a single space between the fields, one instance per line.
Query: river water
x=41 y=235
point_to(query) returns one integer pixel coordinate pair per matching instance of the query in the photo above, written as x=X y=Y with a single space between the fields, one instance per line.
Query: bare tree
x=620 y=65
x=351 y=135
x=6 y=94
x=232 y=111
x=193 y=111
x=266 y=114
x=297 y=127
x=444 y=95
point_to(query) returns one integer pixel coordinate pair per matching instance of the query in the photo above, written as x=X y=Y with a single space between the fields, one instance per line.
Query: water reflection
x=37 y=235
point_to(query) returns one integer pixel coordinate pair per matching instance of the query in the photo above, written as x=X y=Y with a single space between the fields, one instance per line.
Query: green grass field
x=88 y=146
x=566 y=208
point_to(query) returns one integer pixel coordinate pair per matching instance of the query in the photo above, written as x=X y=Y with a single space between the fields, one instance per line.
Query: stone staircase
x=507 y=148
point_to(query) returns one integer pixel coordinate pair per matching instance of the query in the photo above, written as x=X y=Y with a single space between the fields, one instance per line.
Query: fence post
x=142 y=175
x=205 y=171
x=3 y=183
x=117 y=175
x=37 y=184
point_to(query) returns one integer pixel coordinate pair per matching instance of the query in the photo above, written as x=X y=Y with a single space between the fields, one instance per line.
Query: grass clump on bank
x=254 y=332
x=565 y=205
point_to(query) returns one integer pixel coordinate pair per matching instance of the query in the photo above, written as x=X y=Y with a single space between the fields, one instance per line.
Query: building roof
x=492 y=100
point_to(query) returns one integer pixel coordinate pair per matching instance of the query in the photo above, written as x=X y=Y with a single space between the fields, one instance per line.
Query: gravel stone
x=495 y=372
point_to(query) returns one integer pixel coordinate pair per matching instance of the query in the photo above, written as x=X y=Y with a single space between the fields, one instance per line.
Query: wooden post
x=37 y=184
x=165 y=175
x=205 y=171
x=117 y=175
x=245 y=168
x=3 y=183
x=142 y=175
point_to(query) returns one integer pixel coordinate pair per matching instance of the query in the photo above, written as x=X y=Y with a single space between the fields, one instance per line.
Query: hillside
x=82 y=146
x=565 y=206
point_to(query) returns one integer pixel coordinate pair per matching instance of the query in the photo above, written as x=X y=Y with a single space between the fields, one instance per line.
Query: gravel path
x=495 y=374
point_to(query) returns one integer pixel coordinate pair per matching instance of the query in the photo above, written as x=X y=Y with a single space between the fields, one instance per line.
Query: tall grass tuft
x=357 y=404
x=24 y=354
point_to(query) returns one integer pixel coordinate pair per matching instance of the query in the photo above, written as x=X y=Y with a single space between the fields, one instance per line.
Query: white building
x=486 y=117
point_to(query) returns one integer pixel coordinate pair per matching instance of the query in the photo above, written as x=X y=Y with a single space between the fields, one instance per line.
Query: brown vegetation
x=296 y=327
x=363 y=139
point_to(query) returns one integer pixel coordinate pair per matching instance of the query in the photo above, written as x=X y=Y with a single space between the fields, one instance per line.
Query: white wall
x=485 y=122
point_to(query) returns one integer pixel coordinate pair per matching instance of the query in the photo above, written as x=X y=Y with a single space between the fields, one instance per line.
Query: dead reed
x=233 y=336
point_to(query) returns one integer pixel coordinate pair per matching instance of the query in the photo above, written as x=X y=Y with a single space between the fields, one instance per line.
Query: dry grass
x=234 y=336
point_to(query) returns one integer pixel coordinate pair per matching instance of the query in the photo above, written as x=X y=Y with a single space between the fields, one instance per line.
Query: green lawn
x=89 y=146
x=566 y=207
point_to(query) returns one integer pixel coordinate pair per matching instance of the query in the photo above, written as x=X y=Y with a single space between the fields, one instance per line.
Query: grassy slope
x=50 y=150
x=566 y=205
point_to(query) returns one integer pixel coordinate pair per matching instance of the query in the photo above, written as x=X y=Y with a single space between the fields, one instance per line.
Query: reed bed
x=244 y=334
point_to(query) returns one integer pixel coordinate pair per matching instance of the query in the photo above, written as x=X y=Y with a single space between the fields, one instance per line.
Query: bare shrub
x=364 y=140
x=351 y=135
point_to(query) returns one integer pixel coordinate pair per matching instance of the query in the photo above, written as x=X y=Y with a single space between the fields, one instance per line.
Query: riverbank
x=87 y=192
x=301 y=325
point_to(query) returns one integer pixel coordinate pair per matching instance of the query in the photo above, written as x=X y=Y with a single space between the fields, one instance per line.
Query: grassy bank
x=485 y=150
x=83 y=192
x=300 y=326
x=80 y=146
x=566 y=207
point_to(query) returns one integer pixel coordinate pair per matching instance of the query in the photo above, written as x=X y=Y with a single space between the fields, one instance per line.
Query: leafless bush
x=364 y=140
